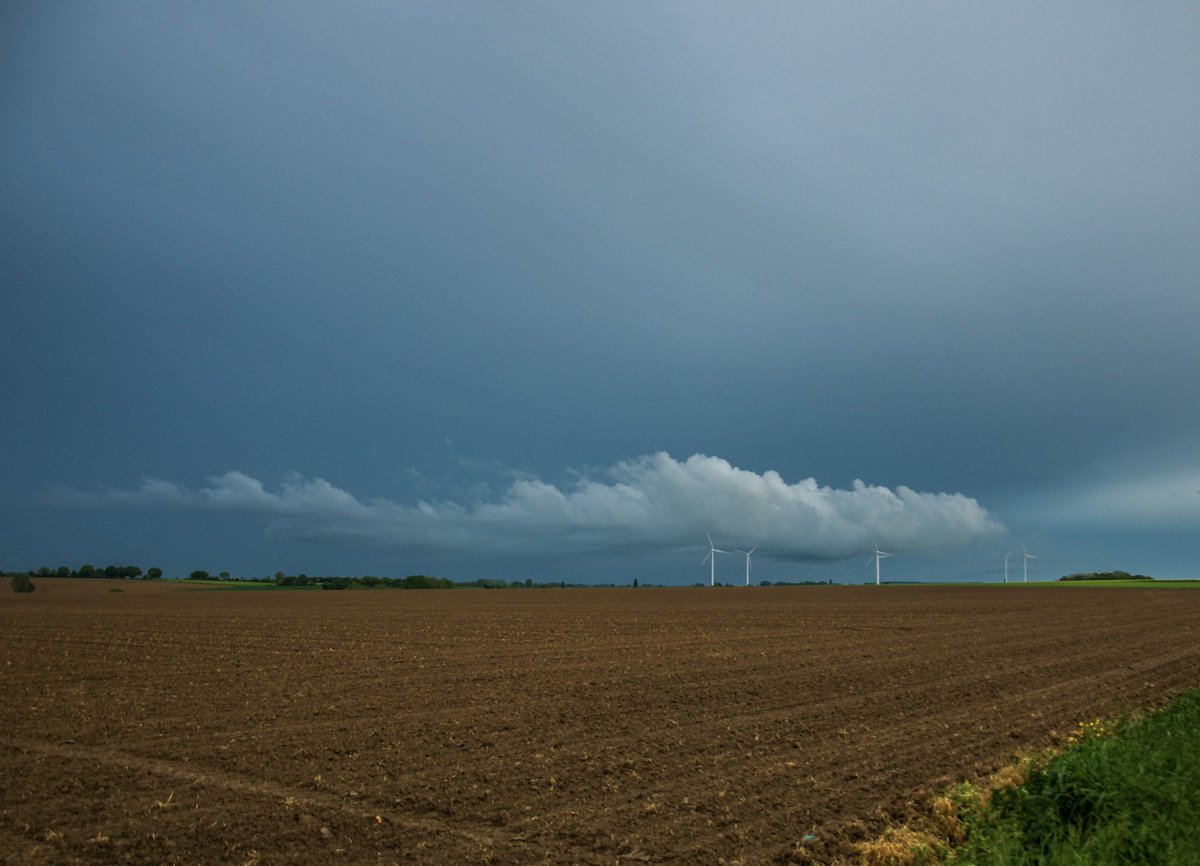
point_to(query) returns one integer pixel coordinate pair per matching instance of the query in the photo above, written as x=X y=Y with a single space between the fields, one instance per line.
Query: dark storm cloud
x=951 y=248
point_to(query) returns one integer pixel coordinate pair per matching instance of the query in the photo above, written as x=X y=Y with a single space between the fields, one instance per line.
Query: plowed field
x=161 y=724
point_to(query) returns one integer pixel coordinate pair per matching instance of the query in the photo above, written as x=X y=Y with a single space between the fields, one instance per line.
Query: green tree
x=22 y=583
x=63 y=571
x=87 y=570
x=198 y=574
x=154 y=573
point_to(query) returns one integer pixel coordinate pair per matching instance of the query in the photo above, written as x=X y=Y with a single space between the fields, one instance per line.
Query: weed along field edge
x=771 y=725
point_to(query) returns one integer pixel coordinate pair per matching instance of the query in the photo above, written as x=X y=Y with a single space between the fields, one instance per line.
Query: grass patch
x=1069 y=584
x=246 y=585
x=1074 y=584
x=1126 y=792
x=1139 y=584
x=1123 y=792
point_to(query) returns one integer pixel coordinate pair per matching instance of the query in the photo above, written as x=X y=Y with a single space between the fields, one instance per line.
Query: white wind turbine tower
x=1025 y=557
x=877 y=555
x=1005 y=557
x=747 y=552
x=711 y=559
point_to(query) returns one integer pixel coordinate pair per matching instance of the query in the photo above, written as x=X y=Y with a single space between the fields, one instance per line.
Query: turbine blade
x=751 y=550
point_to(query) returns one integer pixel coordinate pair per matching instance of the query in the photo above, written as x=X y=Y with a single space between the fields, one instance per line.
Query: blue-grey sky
x=550 y=290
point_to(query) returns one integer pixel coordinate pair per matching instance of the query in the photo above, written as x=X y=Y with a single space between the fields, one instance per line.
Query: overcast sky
x=551 y=290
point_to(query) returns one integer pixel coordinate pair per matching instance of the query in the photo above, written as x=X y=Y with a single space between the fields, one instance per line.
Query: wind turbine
x=711 y=559
x=747 y=552
x=1025 y=557
x=877 y=555
x=1005 y=557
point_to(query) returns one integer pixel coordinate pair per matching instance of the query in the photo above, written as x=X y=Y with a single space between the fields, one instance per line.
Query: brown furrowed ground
x=164 y=724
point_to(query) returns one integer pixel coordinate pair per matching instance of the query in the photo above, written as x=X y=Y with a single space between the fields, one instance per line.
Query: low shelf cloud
x=653 y=502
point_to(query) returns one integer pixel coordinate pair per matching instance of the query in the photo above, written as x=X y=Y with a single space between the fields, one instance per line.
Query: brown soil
x=163 y=724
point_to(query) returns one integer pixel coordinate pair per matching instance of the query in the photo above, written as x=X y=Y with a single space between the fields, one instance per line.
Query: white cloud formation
x=647 y=503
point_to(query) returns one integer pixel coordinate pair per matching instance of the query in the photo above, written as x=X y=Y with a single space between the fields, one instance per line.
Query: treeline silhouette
x=121 y=572
x=370 y=581
x=1106 y=575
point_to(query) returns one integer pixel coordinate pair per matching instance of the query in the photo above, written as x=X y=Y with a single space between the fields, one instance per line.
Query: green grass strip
x=1125 y=793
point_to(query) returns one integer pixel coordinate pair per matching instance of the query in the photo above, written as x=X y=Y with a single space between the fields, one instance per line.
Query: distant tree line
x=119 y=572
x=413 y=581
x=370 y=581
x=1106 y=575
x=796 y=583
